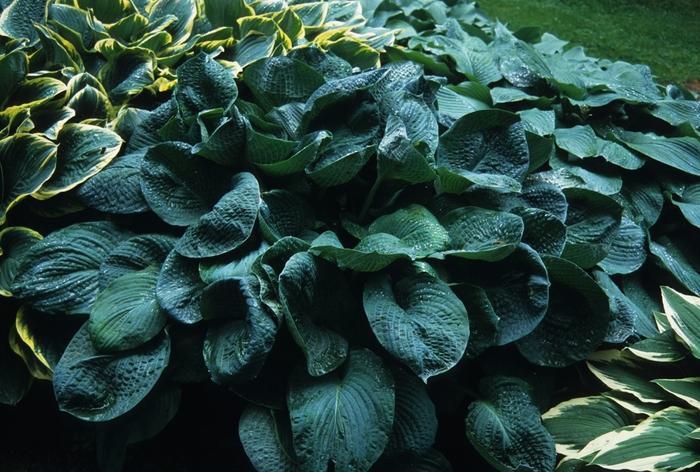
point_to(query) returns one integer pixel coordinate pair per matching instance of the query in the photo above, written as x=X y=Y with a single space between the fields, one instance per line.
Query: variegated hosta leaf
x=575 y=423
x=27 y=161
x=683 y=313
x=83 y=150
x=660 y=442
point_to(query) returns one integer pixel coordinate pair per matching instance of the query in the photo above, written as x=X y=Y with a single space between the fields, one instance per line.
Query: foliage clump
x=347 y=213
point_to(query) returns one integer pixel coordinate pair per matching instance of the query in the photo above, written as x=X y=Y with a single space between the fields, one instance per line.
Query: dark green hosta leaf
x=223 y=137
x=416 y=227
x=343 y=157
x=225 y=12
x=15 y=243
x=625 y=315
x=60 y=274
x=230 y=268
x=486 y=148
x=576 y=321
x=373 y=253
x=593 y=222
x=680 y=259
x=312 y=317
x=126 y=314
x=204 y=84
x=619 y=155
x=505 y=427
x=580 y=141
x=539 y=122
x=83 y=150
x=409 y=233
x=546 y=196
x=279 y=80
x=338 y=90
x=689 y=204
x=407 y=149
x=117 y=188
x=18 y=16
x=575 y=423
x=344 y=417
x=100 y=387
x=517 y=291
x=236 y=346
x=15 y=379
x=134 y=254
x=284 y=213
x=178 y=186
x=268 y=266
x=179 y=288
x=291 y=158
x=419 y=320
x=681 y=153
x=431 y=460
x=228 y=224
x=642 y=201
x=415 y=421
x=544 y=232
x=266 y=436
x=477 y=233
x=628 y=250
x=27 y=162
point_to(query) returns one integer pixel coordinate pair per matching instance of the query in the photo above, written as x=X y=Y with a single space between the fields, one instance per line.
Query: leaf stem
x=370 y=197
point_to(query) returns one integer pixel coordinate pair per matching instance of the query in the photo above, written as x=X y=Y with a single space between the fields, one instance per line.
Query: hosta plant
x=363 y=220
x=649 y=419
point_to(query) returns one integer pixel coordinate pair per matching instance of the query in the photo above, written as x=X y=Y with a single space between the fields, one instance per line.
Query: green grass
x=664 y=34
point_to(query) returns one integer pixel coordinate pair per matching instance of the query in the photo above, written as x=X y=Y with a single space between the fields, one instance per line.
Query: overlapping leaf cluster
x=321 y=206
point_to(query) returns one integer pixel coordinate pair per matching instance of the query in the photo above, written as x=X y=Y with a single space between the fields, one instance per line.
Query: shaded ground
x=664 y=34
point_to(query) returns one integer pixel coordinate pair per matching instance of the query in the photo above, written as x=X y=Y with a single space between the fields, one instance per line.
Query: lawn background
x=664 y=34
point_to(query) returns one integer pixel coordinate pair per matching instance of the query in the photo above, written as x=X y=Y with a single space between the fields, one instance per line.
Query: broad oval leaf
x=236 y=345
x=576 y=321
x=419 y=320
x=15 y=243
x=227 y=225
x=477 y=233
x=145 y=251
x=344 y=417
x=179 y=288
x=100 y=387
x=178 y=186
x=505 y=427
x=126 y=314
x=266 y=437
x=60 y=274
x=312 y=316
